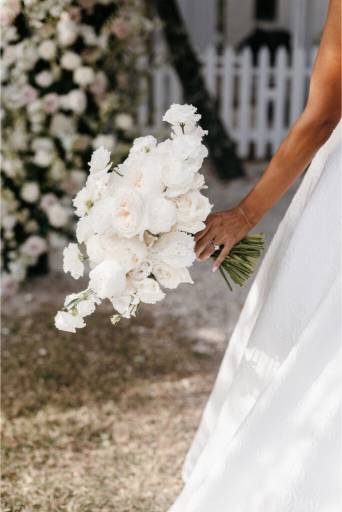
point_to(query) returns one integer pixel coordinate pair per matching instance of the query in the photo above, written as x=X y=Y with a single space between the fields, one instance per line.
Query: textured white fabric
x=269 y=439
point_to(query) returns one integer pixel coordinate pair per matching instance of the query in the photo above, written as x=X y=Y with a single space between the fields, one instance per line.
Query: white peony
x=70 y=61
x=101 y=217
x=34 y=246
x=162 y=215
x=44 y=79
x=149 y=291
x=84 y=75
x=107 y=141
x=108 y=280
x=128 y=252
x=175 y=248
x=177 y=176
x=170 y=277
x=84 y=229
x=143 y=144
x=66 y=321
x=191 y=211
x=100 y=161
x=58 y=215
x=30 y=192
x=141 y=271
x=47 y=50
x=73 y=261
x=130 y=213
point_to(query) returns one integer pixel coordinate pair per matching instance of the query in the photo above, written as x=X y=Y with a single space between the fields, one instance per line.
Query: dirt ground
x=101 y=420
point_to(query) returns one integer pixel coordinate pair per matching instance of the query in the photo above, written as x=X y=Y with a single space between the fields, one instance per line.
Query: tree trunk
x=185 y=61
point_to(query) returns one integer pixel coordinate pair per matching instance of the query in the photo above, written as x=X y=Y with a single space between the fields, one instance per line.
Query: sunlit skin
x=312 y=129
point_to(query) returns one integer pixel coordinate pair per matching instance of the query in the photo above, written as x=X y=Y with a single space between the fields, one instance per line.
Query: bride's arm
x=307 y=135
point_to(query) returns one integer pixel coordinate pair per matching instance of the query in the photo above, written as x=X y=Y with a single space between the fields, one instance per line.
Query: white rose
x=170 y=277
x=100 y=161
x=107 y=280
x=107 y=141
x=76 y=100
x=129 y=253
x=30 y=192
x=191 y=211
x=101 y=217
x=58 y=215
x=67 y=32
x=182 y=117
x=175 y=248
x=47 y=50
x=123 y=122
x=149 y=291
x=143 y=144
x=70 y=61
x=84 y=75
x=73 y=261
x=177 y=176
x=34 y=246
x=84 y=229
x=130 y=214
x=162 y=215
x=44 y=79
x=65 y=321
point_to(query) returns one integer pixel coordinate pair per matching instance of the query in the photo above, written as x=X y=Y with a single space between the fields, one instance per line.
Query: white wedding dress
x=269 y=439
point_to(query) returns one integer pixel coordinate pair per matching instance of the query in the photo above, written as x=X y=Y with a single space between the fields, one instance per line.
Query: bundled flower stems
x=137 y=222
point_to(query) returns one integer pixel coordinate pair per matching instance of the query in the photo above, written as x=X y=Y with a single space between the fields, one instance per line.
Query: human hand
x=223 y=228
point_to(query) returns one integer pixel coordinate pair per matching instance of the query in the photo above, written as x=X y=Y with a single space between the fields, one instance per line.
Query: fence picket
x=280 y=97
x=245 y=111
x=298 y=84
x=228 y=61
x=261 y=107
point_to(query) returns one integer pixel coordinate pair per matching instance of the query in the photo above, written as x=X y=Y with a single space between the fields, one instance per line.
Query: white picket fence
x=258 y=104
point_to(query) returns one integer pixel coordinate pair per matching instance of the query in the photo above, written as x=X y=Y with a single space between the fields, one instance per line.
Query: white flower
x=70 y=61
x=43 y=158
x=58 y=215
x=191 y=211
x=30 y=192
x=189 y=148
x=143 y=144
x=127 y=304
x=100 y=161
x=171 y=277
x=84 y=229
x=108 y=280
x=129 y=253
x=66 y=321
x=101 y=217
x=51 y=103
x=62 y=125
x=73 y=261
x=44 y=79
x=162 y=215
x=34 y=246
x=47 y=50
x=27 y=94
x=177 y=176
x=84 y=75
x=88 y=33
x=67 y=31
x=75 y=100
x=86 y=306
x=175 y=248
x=9 y=285
x=182 y=117
x=8 y=221
x=9 y=11
x=198 y=182
x=130 y=214
x=47 y=201
x=149 y=291
x=123 y=122
x=96 y=249
x=107 y=141
x=141 y=271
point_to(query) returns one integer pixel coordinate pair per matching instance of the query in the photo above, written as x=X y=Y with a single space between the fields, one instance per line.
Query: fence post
x=261 y=107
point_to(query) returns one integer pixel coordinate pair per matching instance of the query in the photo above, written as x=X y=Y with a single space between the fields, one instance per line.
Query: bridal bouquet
x=137 y=222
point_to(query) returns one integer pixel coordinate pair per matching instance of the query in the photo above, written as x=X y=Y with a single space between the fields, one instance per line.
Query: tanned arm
x=313 y=128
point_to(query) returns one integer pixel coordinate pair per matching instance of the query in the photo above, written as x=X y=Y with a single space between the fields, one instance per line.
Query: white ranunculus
x=43 y=158
x=47 y=50
x=175 y=248
x=192 y=209
x=84 y=75
x=30 y=192
x=70 y=61
x=34 y=246
x=123 y=122
x=170 y=277
x=198 y=182
x=44 y=79
x=58 y=215
x=162 y=215
x=130 y=213
x=69 y=322
x=177 y=176
x=101 y=217
x=76 y=101
x=108 y=280
x=149 y=291
x=107 y=141
x=84 y=229
x=182 y=117
x=73 y=261
x=100 y=161
x=143 y=144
